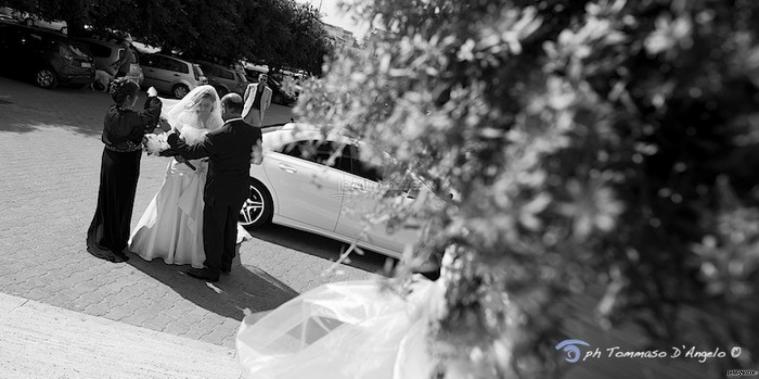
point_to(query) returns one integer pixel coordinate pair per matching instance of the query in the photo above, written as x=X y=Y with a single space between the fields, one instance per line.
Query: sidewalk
x=42 y=341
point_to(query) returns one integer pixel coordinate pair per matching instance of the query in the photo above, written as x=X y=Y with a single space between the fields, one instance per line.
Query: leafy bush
x=602 y=146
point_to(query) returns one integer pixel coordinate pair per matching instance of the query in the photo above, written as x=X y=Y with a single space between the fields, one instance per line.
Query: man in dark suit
x=227 y=184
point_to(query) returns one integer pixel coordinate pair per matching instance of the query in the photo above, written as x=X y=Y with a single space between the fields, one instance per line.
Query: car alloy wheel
x=257 y=209
x=180 y=91
x=45 y=78
x=253 y=208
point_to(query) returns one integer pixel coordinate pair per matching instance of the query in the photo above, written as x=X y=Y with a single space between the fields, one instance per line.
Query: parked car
x=30 y=19
x=278 y=94
x=34 y=20
x=171 y=74
x=109 y=55
x=104 y=53
x=47 y=57
x=224 y=79
x=8 y=14
x=313 y=193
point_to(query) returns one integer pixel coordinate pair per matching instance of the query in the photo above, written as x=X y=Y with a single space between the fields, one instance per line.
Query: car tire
x=46 y=78
x=258 y=208
x=179 y=91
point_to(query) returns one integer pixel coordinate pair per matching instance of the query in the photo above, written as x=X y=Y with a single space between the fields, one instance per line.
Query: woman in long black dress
x=123 y=131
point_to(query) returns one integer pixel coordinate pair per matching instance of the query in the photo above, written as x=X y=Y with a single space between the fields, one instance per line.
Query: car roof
x=34 y=29
x=99 y=42
x=216 y=65
x=212 y=64
x=172 y=57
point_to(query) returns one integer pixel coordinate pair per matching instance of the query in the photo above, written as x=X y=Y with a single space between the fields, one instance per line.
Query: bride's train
x=347 y=330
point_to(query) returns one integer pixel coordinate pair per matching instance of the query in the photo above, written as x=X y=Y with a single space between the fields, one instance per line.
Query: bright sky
x=331 y=14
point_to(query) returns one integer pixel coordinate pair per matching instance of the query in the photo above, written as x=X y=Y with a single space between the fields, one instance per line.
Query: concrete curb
x=42 y=341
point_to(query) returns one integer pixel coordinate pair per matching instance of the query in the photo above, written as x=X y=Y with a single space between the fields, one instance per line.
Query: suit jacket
x=250 y=95
x=228 y=149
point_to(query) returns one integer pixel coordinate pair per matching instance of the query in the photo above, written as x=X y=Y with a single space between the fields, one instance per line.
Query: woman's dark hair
x=121 y=89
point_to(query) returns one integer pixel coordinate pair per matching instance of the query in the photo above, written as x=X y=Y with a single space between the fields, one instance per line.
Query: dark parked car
x=278 y=94
x=48 y=58
x=224 y=79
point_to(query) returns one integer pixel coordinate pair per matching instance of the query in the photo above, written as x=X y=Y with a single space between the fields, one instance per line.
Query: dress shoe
x=204 y=274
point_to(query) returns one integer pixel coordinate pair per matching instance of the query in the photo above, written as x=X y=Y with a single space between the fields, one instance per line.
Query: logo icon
x=735 y=352
x=572 y=349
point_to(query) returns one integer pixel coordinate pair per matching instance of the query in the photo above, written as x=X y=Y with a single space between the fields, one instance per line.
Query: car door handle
x=177 y=75
x=287 y=168
x=358 y=187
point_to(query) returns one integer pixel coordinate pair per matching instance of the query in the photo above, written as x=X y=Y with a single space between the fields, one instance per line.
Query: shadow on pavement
x=26 y=108
x=233 y=296
x=321 y=247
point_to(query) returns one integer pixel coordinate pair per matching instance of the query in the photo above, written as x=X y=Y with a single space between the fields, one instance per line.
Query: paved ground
x=42 y=341
x=50 y=153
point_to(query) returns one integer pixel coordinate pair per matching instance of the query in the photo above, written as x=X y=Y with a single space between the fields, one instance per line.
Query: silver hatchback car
x=171 y=74
x=223 y=78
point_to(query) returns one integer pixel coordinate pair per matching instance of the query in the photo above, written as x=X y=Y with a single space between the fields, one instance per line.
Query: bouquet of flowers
x=155 y=144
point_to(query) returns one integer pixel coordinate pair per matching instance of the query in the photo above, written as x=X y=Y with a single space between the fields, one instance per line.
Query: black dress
x=123 y=131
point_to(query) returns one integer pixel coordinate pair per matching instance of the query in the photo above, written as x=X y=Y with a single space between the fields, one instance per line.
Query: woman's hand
x=163 y=124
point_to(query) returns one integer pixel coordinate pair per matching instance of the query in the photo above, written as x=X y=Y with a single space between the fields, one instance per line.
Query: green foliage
x=593 y=145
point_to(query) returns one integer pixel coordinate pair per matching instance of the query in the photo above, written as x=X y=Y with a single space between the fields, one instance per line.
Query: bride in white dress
x=171 y=228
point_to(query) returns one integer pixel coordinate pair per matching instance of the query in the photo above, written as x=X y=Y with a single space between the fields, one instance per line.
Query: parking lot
x=50 y=153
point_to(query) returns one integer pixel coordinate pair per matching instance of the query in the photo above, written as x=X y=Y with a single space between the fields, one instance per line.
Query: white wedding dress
x=171 y=228
x=346 y=330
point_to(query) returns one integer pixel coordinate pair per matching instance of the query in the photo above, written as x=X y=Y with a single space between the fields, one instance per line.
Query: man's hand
x=173 y=138
x=180 y=159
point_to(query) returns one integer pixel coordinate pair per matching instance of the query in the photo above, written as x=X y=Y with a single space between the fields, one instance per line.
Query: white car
x=310 y=192
x=30 y=19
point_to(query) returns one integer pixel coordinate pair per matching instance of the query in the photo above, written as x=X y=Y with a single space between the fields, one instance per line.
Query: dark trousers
x=109 y=228
x=220 y=233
